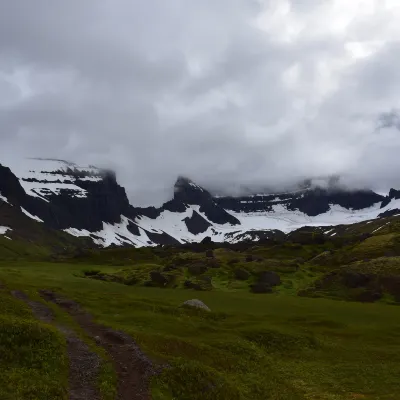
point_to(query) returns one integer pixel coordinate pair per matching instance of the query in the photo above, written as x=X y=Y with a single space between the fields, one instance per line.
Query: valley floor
x=274 y=346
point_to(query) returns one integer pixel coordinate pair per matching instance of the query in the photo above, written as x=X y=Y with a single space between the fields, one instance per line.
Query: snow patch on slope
x=30 y=215
x=4 y=230
x=4 y=199
x=42 y=177
x=117 y=234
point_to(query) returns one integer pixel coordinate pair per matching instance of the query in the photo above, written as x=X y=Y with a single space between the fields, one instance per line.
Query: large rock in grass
x=158 y=278
x=241 y=274
x=198 y=268
x=196 y=304
x=355 y=280
x=270 y=278
x=261 y=287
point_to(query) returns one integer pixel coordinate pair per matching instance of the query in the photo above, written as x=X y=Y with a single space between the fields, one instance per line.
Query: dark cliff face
x=393 y=195
x=10 y=186
x=311 y=202
x=104 y=201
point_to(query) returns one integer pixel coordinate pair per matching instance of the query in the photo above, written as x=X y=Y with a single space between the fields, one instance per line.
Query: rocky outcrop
x=312 y=201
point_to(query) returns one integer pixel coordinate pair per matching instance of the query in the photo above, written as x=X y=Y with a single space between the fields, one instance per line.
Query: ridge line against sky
x=238 y=92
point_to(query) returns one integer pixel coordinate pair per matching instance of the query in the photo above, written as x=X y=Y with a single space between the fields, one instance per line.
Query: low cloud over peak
x=254 y=93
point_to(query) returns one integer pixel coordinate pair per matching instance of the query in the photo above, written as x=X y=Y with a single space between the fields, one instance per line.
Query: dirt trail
x=83 y=363
x=133 y=367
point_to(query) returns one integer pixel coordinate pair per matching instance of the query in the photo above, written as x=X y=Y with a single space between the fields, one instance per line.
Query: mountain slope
x=89 y=202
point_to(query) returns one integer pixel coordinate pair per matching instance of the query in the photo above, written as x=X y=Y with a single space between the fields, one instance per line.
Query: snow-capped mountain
x=88 y=202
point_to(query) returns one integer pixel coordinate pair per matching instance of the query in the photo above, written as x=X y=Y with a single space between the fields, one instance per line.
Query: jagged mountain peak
x=188 y=192
x=183 y=183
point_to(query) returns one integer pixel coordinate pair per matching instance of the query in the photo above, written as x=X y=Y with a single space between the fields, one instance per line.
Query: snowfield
x=41 y=178
x=279 y=219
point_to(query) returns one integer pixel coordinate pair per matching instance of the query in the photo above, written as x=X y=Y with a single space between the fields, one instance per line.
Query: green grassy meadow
x=270 y=346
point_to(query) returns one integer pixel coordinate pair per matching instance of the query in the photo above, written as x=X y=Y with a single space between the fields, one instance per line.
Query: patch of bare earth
x=83 y=363
x=134 y=369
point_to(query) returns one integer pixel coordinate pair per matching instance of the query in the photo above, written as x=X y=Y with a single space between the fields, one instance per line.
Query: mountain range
x=57 y=195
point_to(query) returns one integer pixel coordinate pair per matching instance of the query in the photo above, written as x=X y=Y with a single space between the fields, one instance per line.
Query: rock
x=207 y=240
x=209 y=254
x=355 y=280
x=369 y=296
x=241 y=274
x=97 y=339
x=213 y=263
x=158 y=278
x=196 y=304
x=260 y=287
x=192 y=285
x=206 y=279
x=169 y=268
x=233 y=261
x=249 y=258
x=197 y=269
x=270 y=278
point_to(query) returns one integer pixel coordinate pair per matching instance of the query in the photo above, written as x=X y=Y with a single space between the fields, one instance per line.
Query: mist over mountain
x=249 y=94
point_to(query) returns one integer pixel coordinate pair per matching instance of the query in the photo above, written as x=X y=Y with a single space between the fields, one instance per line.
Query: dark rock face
x=10 y=186
x=187 y=192
x=309 y=201
x=162 y=238
x=393 y=195
x=207 y=240
x=389 y=213
x=196 y=223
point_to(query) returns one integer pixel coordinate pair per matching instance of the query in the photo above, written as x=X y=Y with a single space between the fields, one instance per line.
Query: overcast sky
x=224 y=91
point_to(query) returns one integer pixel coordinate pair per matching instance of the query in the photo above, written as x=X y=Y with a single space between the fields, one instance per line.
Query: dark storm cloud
x=226 y=92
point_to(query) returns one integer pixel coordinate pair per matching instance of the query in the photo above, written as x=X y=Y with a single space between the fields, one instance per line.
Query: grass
x=33 y=361
x=249 y=347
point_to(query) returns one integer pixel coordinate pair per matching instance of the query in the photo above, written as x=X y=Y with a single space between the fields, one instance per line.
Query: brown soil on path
x=83 y=363
x=134 y=369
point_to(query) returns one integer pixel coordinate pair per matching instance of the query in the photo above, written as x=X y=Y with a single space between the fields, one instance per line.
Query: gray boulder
x=196 y=304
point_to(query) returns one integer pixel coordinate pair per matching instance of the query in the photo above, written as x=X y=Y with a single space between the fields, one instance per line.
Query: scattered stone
x=355 y=280
x=196 y=304
x=158 y=277
x=369 y=296
x=197 y=269
x=260 y=287
x=270 y=278
x=192 y=285
x=209 y=254
x=241 y=274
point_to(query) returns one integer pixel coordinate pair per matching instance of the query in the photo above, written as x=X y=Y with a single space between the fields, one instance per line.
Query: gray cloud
x=230 y=93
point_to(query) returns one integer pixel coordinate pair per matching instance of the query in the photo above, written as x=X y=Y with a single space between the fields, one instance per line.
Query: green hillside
x=275 y=329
